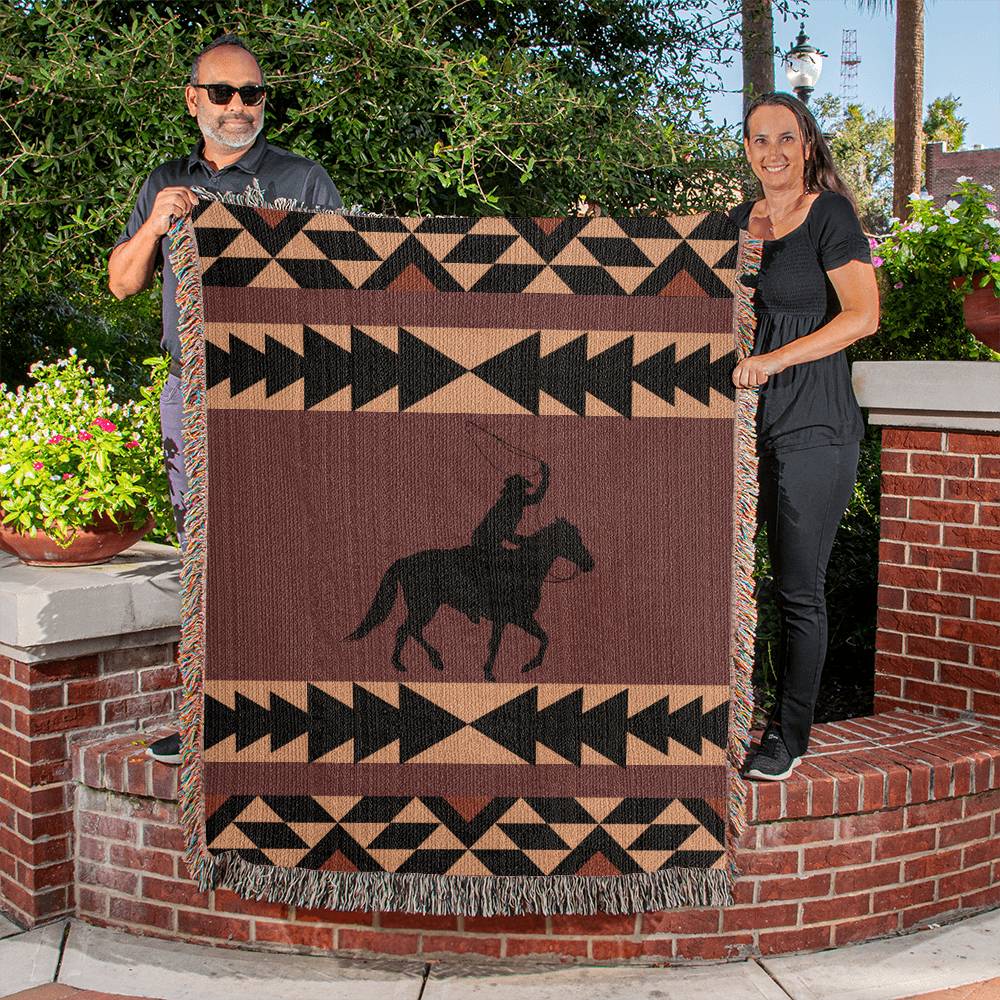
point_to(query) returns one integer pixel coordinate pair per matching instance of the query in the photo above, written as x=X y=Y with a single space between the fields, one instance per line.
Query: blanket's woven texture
x=467 y=619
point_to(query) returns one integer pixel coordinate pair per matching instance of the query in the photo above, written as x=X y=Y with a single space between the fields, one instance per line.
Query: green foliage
x=862 y=146
x=69 y=451
x=942 y=123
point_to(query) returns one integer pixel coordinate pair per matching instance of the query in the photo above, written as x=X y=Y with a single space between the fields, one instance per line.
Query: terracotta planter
x=102 y=541
x=981 y=308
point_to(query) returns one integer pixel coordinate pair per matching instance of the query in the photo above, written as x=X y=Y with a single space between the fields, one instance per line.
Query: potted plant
x=81 y=474
x=958 y=242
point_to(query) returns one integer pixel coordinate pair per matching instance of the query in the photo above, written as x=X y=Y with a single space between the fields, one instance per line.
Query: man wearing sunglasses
x=227 y=96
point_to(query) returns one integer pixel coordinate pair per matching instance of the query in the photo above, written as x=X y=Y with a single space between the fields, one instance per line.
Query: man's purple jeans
x=171 y=420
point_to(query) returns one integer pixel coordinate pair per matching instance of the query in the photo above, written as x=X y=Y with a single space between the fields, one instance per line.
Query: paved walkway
x=74 y=961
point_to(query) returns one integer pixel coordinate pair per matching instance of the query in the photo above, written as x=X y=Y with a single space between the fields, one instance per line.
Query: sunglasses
x=221 y=93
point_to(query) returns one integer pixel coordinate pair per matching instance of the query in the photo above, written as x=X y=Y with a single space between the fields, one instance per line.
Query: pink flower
x=67 y=475
x=877 y=262
x=994 y=257
x=37 y=465
x=55 y=439
x=105 y=425
x=85 y=435
x=991 y=206
x=132 y=444
x=898 y=284
x=85 y=493
x=872 y=242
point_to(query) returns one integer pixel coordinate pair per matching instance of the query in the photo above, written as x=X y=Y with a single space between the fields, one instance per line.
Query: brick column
x=938 y=642
x=51 y=700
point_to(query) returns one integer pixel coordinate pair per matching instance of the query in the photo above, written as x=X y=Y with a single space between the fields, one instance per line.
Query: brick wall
x=45 y=709
x=890 y=823
x=938 y=644
x=944 y=168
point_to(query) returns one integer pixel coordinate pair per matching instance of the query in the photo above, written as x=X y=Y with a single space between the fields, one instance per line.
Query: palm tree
x=758 y=49
x=907 y=98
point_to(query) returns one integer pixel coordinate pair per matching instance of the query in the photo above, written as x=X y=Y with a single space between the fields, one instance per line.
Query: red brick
x=90 y=901
x=80 y=692
x=112 y=827
x=981 y=680
x=911 y=531
x=891 y=552
x=680 y=922
x=989 y=515
x=972 y=489
x=732 y=946
x=418 y=921
x=925 y=912
x=545 y=946
x=155 y=862
x=864 y=929
x=867 y=877
x=599 y=923
x=902 y=621
x=968 y=830
x=940 y=604
x=224 y=901
x=796 y=832
x=845 y=855
x=985 y=704
x=905 y=666
x=911 y=842
x=944 y=511
x=739 y=918
x=309 y=915
x=964 y=882
x=54 y=670
x=988 y=658
x=893 y=506
x=174 y=891
x=887 y=684
x=866 y=824
x=137 y=775
x=889 y=642
x=304 y=936
x=981 y=633
x=211 y=926
x=132 y=912
x=922 y=555
x=977 y=584
x=820 y=911
x=456 y=944
x=899 y=898
x=910 y=577
x=62 y=720
x=891 y=597
x=973 y=538
x=956 y=466
x=787 y=942
x=988 y=468
x=937 y=649
x=166 y=838
x=52 y=825
x=92 y=874
x=906 y=439
x=974 y=444
x=159 y=678
x=985 y=802
x=931 y=865
x=894 y=461
x=935 y=694
x=802 y=887
x=988 y=562
x=142 y=706
x=610 y=950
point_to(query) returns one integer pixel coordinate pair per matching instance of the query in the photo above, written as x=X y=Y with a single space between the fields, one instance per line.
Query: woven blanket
x=467 y=624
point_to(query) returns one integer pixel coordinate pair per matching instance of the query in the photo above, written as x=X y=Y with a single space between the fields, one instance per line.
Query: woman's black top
x=812 y=403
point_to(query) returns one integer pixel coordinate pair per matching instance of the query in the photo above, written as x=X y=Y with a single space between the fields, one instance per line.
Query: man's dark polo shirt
x=279 y=173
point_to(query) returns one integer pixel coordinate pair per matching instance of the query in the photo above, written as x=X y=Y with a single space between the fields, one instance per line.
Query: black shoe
x=772 y=761
x=167 y=750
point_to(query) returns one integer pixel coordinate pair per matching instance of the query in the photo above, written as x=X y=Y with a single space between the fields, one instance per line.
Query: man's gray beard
x=229 y=140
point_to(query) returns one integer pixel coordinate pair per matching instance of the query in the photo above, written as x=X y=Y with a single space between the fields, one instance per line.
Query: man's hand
x=170 y=204
x=756 y=370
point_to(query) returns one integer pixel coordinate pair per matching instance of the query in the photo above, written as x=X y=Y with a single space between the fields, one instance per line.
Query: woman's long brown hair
x=820 y=171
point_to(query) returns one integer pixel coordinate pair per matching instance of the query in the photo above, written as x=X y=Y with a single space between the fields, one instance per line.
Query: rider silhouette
x=502 y=519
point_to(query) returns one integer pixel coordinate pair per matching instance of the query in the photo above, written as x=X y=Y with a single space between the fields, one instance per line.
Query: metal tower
x=849 y=63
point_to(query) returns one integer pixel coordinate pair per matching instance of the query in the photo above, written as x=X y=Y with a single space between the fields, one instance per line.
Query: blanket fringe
x=419 y=893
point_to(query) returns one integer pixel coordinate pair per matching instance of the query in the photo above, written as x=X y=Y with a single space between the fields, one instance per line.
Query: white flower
x=950 y=219
x=932 y=229
x=916 y=227
x=962 y=180
x=894 y=220
x=992 y=223
x=5 y=468
x=950 y=206
x=72 y=352
x=989 y=187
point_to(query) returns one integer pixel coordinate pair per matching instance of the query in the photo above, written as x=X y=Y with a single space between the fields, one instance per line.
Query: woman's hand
x=756 y=370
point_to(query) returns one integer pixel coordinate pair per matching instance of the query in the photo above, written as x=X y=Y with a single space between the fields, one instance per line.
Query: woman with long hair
x=815 y=294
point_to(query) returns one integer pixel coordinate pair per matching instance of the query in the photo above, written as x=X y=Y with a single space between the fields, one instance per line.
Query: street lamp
x=803 y=64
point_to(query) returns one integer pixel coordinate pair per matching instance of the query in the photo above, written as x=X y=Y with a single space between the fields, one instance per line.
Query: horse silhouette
x=504 y=586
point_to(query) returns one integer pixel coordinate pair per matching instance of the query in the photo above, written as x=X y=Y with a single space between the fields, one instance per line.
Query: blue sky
x=961 y=57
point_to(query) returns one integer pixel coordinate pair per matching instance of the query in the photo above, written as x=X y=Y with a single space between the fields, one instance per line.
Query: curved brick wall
x=893 y=821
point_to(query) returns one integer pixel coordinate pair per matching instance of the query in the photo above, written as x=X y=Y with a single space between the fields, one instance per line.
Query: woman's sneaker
x=771 y=761
x=167 y=750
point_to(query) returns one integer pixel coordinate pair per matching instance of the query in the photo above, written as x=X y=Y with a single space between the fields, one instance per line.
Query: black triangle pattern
x=274 y=231
x=520 y=372
x=518 y=725
x=362 y=831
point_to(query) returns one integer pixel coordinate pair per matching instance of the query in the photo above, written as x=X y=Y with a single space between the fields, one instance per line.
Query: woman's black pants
x=803 y=495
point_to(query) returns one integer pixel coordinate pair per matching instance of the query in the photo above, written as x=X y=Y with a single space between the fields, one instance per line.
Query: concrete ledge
x=49 y=612
x=961 y=395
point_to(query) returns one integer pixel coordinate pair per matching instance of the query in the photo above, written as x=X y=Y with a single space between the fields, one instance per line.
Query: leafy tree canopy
x=942 y=123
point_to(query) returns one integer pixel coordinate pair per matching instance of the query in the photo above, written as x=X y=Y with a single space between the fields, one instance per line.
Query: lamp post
x=803 y=64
